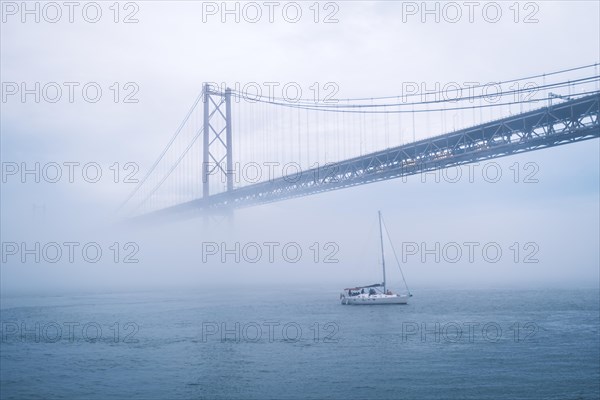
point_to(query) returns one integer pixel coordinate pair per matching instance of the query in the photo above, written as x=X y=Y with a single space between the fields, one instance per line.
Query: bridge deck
x=571 y=121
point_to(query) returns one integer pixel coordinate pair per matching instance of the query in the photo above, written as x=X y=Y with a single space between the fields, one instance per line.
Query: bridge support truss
x=216 y=139
x=569 y=122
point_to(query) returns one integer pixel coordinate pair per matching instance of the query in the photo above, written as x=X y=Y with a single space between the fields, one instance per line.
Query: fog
x=547 y=227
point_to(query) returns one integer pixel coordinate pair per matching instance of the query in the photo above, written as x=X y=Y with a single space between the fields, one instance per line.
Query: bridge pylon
x=216 y=137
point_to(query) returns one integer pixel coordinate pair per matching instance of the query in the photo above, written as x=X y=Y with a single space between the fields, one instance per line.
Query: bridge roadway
x=568 y=122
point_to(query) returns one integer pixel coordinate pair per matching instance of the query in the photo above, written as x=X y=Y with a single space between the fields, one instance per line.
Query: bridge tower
x=216 y=139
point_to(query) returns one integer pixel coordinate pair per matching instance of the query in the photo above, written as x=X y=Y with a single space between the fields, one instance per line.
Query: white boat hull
x=365 y=299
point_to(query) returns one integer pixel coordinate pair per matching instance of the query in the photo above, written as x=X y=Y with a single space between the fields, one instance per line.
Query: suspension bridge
x=258 y=149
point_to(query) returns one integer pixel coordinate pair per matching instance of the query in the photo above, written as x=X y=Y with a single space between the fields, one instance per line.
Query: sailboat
x=374 y=294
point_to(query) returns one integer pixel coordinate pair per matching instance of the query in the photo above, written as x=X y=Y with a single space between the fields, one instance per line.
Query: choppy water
x=302 y=345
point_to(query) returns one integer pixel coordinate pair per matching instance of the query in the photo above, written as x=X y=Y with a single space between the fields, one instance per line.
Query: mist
x=546 y=227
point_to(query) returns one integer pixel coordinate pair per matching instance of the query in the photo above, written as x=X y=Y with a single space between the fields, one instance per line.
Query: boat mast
x=382 y=257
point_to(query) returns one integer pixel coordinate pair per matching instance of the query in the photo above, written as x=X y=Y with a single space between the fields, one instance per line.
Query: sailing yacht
x=377 y=293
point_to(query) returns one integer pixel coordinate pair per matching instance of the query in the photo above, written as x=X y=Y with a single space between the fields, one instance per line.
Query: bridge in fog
x=200 y=177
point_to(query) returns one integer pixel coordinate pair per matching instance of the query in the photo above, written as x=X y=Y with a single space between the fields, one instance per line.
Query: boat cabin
x=369 y=290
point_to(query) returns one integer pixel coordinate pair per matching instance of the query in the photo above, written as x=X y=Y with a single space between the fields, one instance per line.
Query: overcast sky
x=372 y=49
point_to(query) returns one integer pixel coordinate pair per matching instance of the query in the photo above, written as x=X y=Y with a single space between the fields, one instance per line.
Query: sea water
x=301 y=344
